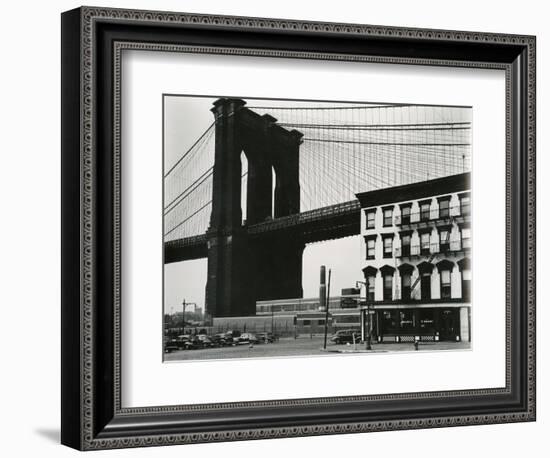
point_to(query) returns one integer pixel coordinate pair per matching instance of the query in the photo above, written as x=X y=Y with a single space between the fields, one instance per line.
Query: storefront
x=407 y=324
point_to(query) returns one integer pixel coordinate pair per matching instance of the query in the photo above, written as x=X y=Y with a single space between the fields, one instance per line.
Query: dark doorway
x=406 y=287
x=426 y=286
x=449 y=324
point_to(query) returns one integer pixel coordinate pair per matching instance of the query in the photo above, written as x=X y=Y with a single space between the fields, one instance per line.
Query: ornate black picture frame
x=92 y=41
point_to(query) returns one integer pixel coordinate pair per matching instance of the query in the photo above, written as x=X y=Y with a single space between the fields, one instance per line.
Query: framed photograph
x=276 y=228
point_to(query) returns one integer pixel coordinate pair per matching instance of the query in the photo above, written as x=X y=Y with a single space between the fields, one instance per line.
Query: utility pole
x=368 y=320
x=327 y=302
x=183 y=317
x=185 y=304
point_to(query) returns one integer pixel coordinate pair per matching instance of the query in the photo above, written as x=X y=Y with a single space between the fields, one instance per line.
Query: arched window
x=445 y=268
x=405 y=271
x=444 y=206
x=273 y=182
x=244 y=187
x=464 y=203
x=388 y=216
x=370 y=242
x=370 y=279
x=425 y=236
x=425 y=208
x=406 y=213
x=387 y=245
x=387 y=277
x=444 y=238
x=405 y=243
x=465 y=236
x=371 y=218
x=466 y=274
x=425 y=271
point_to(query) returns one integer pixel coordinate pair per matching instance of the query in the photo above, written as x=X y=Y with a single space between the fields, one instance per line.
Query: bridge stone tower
x=240 y=270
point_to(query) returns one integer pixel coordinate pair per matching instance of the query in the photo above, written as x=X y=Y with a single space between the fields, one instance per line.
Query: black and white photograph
x=300 y=228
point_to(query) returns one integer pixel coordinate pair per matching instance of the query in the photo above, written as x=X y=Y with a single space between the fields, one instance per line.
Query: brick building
x=417 y=265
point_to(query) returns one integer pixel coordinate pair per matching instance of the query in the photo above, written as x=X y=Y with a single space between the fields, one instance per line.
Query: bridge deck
x=327 y=223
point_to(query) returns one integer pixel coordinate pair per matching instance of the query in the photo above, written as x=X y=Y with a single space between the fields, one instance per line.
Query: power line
x=188 y=218
x=324 y=140
x=397 y=127
x=360 y=107
x=189 y=150
x=198 y=182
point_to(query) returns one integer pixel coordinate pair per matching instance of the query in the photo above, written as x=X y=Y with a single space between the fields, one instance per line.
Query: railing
x=401 y=251
x=413 y=217
x=432 y=248
x=415 y=250
x=306 y=217
x=187 y=241
x=419 y=216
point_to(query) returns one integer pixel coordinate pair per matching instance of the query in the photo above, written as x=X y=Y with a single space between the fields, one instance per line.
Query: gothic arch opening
x=244 y=187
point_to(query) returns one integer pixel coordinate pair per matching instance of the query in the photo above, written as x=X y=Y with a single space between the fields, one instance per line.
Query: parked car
x=184 y=342
x=222 y=339
x=346 y=336
x=247 y=338
x=266 y=337
x=170 y=345
x=233 y=337
x=204 y=341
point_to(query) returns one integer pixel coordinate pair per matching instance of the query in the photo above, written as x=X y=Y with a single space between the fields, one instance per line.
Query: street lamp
x=358 y=284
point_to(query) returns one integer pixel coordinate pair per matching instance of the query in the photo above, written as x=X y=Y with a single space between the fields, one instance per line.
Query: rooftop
x=414 y=191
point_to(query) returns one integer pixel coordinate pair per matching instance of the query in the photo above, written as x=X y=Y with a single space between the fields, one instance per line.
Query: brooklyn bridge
x=262 y=182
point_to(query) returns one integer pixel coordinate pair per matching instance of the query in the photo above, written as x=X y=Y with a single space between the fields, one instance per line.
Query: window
x=426 y=320
x=425 y=243
x=406 y=287
x=307 y=322
x=425 y=210
x=426 y=286
x=388 y=285
x=464 y=204
x=466 y=241
x=444 y=207
x=321 y=322
x=388 y=217
x=405 y=244
x=405 y=214
x=389 y=322
x=371 y=248
x=444 y=236
x=445 y=284
x=406 y=320
x=371 y=214
x=388 y=247
x=466 y=284
x=370 y=288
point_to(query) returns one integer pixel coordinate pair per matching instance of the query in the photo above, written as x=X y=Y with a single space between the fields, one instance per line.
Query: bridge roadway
x=327 y=223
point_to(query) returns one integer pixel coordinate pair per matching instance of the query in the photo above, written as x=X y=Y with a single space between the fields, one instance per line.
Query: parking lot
x=302 y=346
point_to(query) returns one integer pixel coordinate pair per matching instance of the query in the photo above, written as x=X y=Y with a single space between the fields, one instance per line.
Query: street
x=303 y=346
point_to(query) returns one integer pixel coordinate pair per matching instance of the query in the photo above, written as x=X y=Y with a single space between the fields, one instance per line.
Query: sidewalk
x=398 y=347
x=305 y=346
